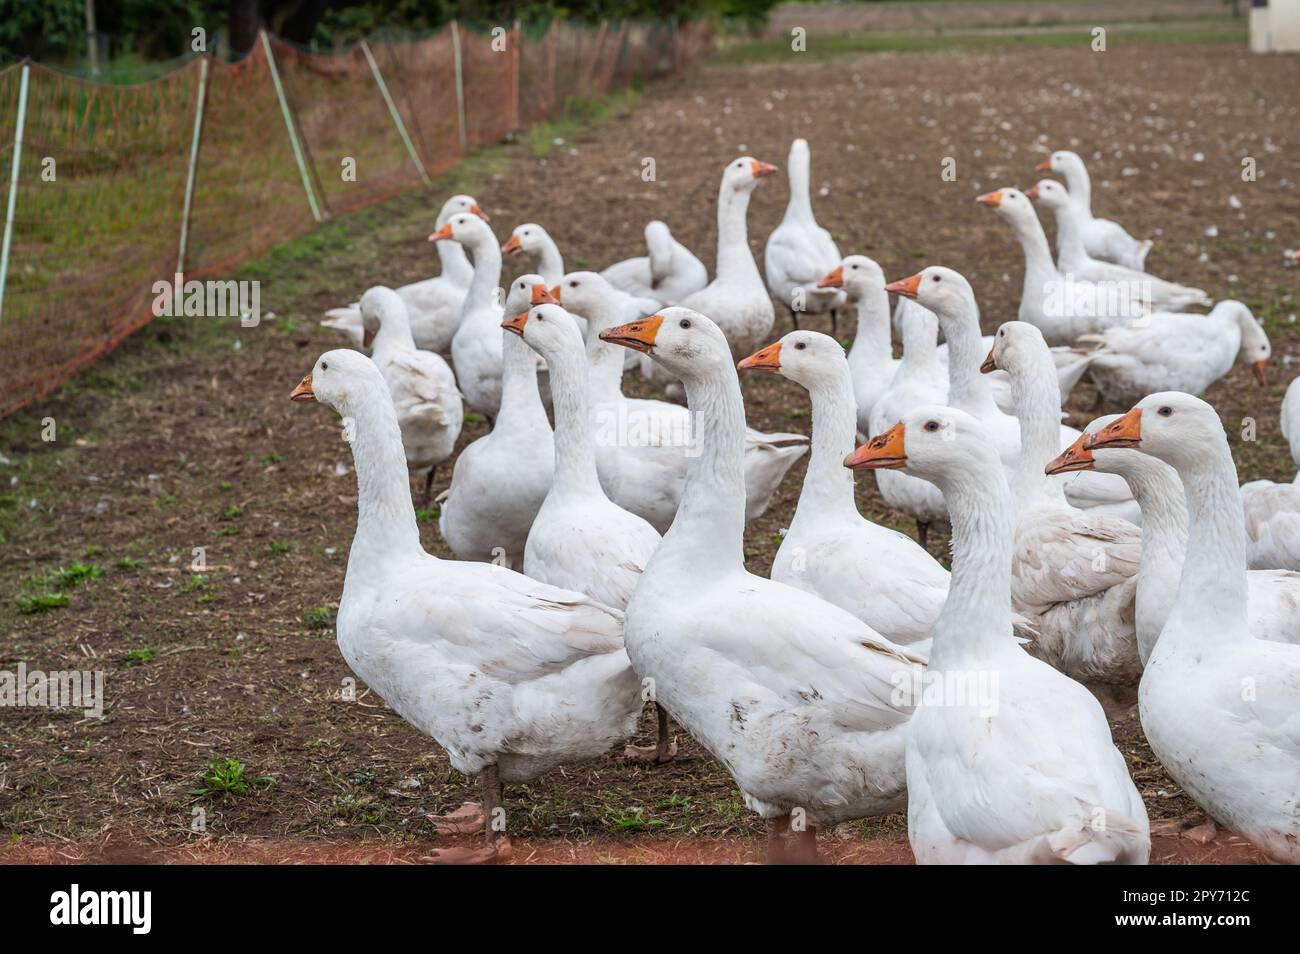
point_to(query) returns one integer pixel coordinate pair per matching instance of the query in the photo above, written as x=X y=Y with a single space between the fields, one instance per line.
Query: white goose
x=1272 y=514
x=533 y=240
x=501 y=479
x=948 y=294
x=1102 y=238
x=1217 y=706
x=790 y=693
x=799 y=251
x=1062 y=309
x=1172 y=352
x=921 y=378
x=879 y=575
x=580 y=539
x=1290 y=419
x=642 y=446
x=1026 y=772
x=1274 y=595
x=434 y=304
x=736 y=298
x=423 y=389
x=512 y=677
x=1073 y=259
x=872 y=365
x=1074 y=573
x=668 y=273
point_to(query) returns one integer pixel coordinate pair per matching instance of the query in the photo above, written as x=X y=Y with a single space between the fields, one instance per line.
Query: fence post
x=194 y=161
x=288 y=122
x=460 y=87
x=13 y=180
x=392 y=109
x=517 y=38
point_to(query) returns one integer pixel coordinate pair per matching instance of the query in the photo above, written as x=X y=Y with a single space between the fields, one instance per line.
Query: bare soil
x=184 y=438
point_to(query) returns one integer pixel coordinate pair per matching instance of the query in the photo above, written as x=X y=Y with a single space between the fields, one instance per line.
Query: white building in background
x=1275 y=26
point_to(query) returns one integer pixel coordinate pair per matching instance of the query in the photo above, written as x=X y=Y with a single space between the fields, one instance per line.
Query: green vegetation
x=322 y=617
x=27 y=605
x=137 y=657
x=196 y=583
x=229 y=777
x=279 y=547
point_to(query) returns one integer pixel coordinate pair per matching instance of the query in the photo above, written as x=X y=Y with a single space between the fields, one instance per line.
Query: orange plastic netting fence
x=102 y=171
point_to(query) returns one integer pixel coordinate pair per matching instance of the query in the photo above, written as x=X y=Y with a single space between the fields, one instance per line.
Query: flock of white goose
x=600 y=563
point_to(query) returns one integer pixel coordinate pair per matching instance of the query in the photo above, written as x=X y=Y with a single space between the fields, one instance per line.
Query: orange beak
x=1044 y=166
x=834 y=280
x=1126 y=432
x=1295 y=256
x=512 y=246
x=1075 y=457
x=989 y=364
x=991 y=199
x=882 y=452
x=762 y=169
x=1261 y=371
x=555 y=293
x=516 y=324
x=442 y=233
x=638 y=335
x=303 y=391
x=765 y=359
x=543 y=297
x=1032 y=192
x=480 y=213
x=906 y=287
x=367 y=337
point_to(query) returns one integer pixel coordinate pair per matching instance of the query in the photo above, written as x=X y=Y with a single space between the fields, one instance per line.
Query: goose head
x=546 y=327
x=1255 y=347
x=659 y=245
x=1076 y=457
x=529 y=238
x=380 y=304
x=685 y=342
x=342 y=379
x=583 y=293
x=1016 y=347
x=1062 y=162
x=743 y=174
x=460 y=204
x=858 y=275
x=1170 y=425
x=1010 y=203
x=933 y=442
x=808 y=358
x=1049 y=193
x=942 y=290
x=466 y=228
x=523 y=293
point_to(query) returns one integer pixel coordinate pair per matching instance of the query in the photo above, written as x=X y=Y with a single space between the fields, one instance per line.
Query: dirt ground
x=184 y=438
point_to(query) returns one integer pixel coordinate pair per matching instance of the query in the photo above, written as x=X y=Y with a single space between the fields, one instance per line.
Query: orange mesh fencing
x=103 y=169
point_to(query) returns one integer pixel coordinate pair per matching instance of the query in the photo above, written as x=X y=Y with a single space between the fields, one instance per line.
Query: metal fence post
x=288 y=122
x=392 y=110
x=13 y=180
x=460 y=87
x=194 y=161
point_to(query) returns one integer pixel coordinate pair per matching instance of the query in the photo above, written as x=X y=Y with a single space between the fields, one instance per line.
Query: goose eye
x=1165 y=411
x=324 y=366
x=931 y=425
x=573 y=284
x=684 y=323
x=799 y=346
x=934 y=278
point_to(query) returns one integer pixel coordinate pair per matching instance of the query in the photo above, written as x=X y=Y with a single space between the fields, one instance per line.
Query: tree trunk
x=244 y=20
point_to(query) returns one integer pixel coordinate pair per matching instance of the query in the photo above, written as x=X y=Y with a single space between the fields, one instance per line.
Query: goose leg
x=794 y=318
x=804 y=849
x=922 y=531
x=496 y=845
x=778 y=840
x=664 y=749
x=835 y=323
x=428 y=483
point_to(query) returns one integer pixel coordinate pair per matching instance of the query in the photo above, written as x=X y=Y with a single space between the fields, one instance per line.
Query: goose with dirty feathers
x=1024 y=772
x=511 y=676
x=796 y=697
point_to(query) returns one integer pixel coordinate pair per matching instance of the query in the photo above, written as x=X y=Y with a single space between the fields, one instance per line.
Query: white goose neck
x=575 y=450
x=483 y=287
x=799 y=209
x=735 y=260
x=551 y=264
x=920 y=344
x=708 y=531
x=1069 y=234
x=828 y=484
x=1039 y=267
x=455 y=263
x=1079 y=185
x=1159 y=494
x=1037 y=399
x=605 y=361
x=386 y=526
x=967 y=388
x=393 y=338
x=977 y=613
x=872 y=346
x=521 y=401
x=1211 y=603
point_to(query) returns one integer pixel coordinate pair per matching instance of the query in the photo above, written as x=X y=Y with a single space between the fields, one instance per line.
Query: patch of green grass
x=75 y=575
x=166 y=500
x=631 y=820
x=322 y=617
x=138 y=657
x=226 y=531
x=41 y=603
x=574 y=116
x=279 y=547
x=427 y=514
x=127 y=563
x=229 y=777
x=472 y=418
x=233 y=512
x=92 y=550
x=195 y=583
